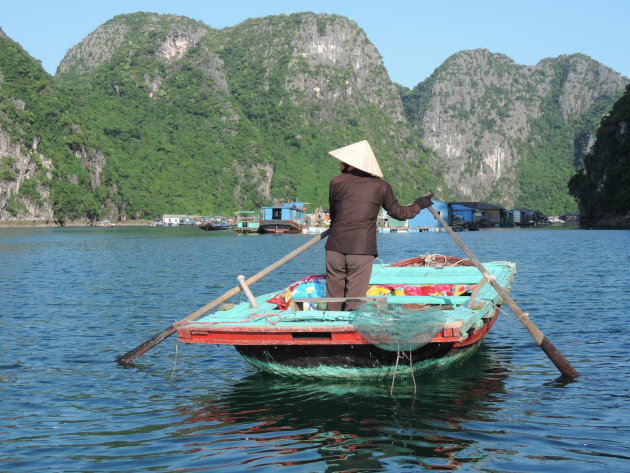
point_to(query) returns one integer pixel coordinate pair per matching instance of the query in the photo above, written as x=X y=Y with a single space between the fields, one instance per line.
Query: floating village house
x=172 y=219
x=522 y=217
x=470 y=214
x=286 y=218
x=528 y=217
x=481 y=214
x=424 y=221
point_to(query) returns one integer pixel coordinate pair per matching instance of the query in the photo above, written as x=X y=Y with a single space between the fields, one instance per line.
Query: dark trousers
x=347 y=276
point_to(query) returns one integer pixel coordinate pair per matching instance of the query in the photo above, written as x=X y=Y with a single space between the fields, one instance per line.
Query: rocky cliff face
x=24 y=169
x=17 y=166
x=472 y=88
x=331 y=73
x=479 y=111
x=301 y=81
x=334 y=63
x=250 y=112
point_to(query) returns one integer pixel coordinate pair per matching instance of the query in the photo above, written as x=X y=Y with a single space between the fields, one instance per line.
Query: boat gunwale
x=267 y=326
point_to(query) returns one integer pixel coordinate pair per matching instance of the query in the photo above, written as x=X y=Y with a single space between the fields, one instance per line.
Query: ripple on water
x=74 y=299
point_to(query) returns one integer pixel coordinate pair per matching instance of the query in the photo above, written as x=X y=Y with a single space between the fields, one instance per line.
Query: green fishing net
x=393 y=327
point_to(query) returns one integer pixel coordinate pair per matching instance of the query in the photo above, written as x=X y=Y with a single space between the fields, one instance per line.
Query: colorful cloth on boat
x=422 y=290
x=438 y=289
x=309 y=287
x=314 y=286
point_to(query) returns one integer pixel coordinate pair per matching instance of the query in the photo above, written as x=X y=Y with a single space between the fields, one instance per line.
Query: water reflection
x=74 y=299
x=342 y=427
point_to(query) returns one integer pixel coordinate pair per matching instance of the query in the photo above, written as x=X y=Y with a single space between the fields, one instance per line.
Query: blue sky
x=413 y=37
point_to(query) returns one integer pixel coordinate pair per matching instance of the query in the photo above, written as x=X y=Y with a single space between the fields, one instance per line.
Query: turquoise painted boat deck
x=268 y=315
x=270 y=332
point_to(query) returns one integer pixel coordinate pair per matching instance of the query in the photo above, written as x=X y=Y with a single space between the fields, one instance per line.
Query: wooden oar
x=554 y=355
x=163 y=335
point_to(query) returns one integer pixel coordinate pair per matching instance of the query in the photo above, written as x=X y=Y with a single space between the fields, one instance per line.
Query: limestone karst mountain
x=154 y=114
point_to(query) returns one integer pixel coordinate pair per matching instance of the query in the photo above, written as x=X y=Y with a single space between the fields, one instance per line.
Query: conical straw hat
x=359 y=155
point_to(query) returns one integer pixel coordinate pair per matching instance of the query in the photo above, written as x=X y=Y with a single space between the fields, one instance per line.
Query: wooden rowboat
x=420 y=315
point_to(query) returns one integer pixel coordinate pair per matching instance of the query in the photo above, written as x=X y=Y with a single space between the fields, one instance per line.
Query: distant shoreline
x=74 y=223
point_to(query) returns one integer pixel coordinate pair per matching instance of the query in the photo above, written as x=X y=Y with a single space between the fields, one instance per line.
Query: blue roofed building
x=424 y=221
x=286 y=218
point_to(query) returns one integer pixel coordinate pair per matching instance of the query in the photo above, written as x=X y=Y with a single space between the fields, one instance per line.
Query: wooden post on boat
x=250 y=297
x=131 y=355
x=554 y=355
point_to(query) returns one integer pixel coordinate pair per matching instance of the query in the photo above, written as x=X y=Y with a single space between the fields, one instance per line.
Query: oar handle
x=164 y=334
x=554 y=355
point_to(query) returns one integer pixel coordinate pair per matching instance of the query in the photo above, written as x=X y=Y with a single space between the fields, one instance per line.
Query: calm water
x=71 y=300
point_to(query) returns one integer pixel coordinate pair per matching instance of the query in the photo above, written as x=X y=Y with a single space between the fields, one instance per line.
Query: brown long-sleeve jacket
x=355 y=199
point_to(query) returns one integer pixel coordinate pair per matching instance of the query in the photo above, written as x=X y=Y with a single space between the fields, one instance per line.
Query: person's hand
x=424 y=202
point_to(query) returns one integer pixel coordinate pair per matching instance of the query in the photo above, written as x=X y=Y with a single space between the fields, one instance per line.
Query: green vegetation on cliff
x=35 y=114
x=210 y=132
x=154 y=114
x=556 y=144
x=512 y=134
x=602 y=186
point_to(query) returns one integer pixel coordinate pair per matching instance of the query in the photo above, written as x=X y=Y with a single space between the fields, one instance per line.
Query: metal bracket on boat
x=247 y=291
x=478 y=286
